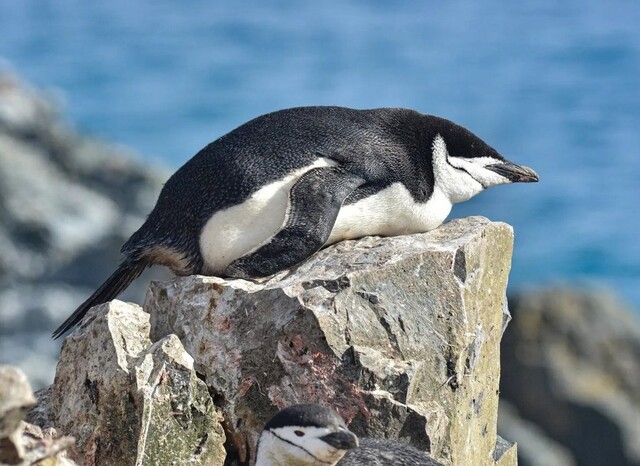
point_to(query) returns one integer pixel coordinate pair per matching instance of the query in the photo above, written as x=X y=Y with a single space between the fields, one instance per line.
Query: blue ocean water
x=553 y=85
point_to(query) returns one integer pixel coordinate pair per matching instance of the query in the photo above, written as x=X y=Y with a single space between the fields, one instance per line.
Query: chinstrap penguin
x=310 y=434
x=272 y=192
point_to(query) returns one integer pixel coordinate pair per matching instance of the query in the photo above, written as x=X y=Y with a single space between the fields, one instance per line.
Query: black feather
x=126 y=272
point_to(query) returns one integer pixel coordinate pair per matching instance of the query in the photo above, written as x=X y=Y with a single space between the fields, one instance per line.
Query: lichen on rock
x=128 y=401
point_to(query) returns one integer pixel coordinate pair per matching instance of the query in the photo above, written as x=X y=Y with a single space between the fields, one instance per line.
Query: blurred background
x=101 y=101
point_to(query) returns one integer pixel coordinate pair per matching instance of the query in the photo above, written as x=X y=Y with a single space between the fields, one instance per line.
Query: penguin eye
x=299 y=433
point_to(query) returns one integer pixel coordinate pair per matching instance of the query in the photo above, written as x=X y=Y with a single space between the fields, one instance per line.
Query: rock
x=505 y=453
x=534 y=447
x=23 y=444
x=571 y=367
x=67 y=205
x=171 y=391
x=45 y=447
x=15 y=398
x=401 y=335
x=130 y=402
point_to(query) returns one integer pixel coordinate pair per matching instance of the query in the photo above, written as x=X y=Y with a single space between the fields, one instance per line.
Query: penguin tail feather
x=126 y=272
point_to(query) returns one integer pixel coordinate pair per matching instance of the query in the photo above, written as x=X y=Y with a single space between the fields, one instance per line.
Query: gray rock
x=127 y=401
x=401 y=335
x=505 y=453
x=180 y=424
x=15 y=399
x=23 y=444
x=571 y=367
x=67 y=204
x=45 y=447
x=534 y=447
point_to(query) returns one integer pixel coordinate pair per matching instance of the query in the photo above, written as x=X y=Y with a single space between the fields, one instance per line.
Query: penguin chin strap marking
x=441 y=159
x=467 y=172
x=300 y=447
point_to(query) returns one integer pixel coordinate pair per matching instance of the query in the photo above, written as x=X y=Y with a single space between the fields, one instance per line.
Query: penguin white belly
x=233 y=232
x=390 y=212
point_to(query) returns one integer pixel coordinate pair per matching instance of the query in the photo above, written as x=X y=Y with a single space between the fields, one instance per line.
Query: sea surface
x=552 y=85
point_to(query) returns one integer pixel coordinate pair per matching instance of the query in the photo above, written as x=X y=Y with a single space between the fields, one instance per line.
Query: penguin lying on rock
x=272 y=192
x=310 y=434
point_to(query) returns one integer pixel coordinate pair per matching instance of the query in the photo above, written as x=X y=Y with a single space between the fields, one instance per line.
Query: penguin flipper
x=126 y=272
x=314 y=202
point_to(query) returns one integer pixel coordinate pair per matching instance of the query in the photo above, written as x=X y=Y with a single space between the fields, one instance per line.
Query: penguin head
x=304 y=434
x=464 y=164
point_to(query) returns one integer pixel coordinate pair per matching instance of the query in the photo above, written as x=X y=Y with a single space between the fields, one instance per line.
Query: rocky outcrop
x=128 y=401
x=23 y=444
x=400 y=335
x=67 y=204
x=535 y=448
x=571 y=369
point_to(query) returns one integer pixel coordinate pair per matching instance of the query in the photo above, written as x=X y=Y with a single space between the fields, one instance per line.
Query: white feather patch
x=461 y=178
x=233 y=232
x=454 y=176
x=390 y=212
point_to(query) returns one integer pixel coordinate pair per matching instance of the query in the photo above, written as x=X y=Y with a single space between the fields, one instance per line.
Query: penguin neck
x=268 y=453
x=456 y=184
x=456 y=189
x=272 y=452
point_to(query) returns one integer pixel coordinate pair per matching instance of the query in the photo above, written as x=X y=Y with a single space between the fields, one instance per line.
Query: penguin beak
x=342 y=440
x=514 y=173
